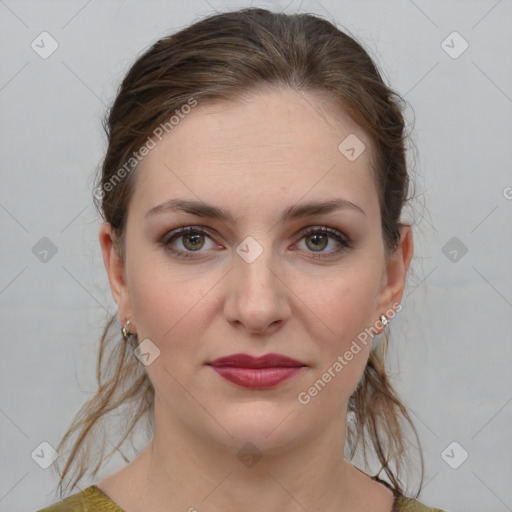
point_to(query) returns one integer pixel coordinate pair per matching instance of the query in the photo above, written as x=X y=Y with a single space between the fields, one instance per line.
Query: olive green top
x=92 y=499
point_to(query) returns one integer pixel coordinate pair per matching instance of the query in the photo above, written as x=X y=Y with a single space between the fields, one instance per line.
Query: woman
x=252 y=193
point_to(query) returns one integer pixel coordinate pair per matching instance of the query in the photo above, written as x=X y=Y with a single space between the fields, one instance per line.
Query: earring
x=384 y=320
x=125 y=332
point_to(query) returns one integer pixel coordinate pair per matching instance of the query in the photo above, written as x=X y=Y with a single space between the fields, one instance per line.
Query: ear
x=115 y=267
x=395 y=274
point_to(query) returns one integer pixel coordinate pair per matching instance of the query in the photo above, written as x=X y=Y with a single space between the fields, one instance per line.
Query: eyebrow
x=202 y=209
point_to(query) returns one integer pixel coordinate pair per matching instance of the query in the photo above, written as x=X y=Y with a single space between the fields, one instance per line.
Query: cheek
x=343 y=309
x=171 y=305
x=348 y=317
x=343 y=345
x=343 y=302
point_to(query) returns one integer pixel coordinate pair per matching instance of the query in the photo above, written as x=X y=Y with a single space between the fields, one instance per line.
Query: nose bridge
x=256 y=297
x=254 y=264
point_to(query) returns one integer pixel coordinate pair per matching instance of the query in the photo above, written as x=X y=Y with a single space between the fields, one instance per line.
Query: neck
x=180 y=470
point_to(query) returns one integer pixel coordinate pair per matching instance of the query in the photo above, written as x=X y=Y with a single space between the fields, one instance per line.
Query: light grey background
x=451 y=349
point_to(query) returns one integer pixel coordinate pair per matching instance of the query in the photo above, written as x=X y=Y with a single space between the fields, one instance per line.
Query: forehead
x=270 y=145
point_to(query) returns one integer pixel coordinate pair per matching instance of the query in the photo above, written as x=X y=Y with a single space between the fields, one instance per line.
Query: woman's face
x=255 y=282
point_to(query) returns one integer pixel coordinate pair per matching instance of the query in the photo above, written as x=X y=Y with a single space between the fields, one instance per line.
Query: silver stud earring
x=384 y=320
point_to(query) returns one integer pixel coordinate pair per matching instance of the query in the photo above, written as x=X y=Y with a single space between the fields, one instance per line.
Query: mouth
x=257 y=372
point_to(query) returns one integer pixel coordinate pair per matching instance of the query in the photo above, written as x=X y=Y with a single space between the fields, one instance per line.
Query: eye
x=192 y=239
x=319 y=240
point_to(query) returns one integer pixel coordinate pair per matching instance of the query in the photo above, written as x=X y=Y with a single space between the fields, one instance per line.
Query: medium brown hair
x=221 y=58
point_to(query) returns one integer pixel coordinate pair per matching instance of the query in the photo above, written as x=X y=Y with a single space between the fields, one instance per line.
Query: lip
x=247 y=361
x=256 y=372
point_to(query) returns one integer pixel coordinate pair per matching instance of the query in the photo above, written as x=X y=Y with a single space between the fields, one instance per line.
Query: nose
x=257 y=296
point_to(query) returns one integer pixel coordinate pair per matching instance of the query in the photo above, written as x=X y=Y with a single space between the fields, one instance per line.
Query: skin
x=275 y=149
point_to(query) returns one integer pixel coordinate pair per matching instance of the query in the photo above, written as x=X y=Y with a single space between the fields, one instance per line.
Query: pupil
x=319 y=238
x=195 y=239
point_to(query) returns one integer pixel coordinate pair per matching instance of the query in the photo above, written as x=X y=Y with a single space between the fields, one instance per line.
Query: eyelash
x=168 y=237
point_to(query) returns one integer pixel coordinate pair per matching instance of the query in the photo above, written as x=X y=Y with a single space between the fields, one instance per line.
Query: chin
x=270 y=428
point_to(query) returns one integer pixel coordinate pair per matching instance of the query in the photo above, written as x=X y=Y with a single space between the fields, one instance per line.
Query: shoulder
x=404 y=504
x=89 y=499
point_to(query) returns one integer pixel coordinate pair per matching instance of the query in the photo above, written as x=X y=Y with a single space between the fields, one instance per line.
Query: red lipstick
x=256 y=372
